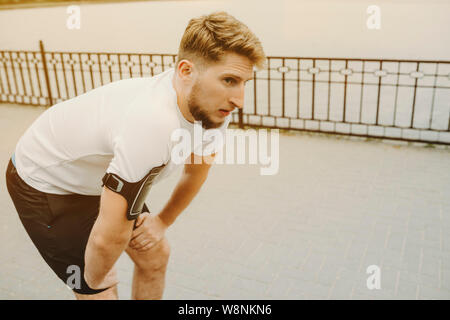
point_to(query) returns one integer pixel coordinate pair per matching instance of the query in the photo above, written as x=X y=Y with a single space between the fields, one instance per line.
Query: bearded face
x=219 y=89
x=199 y=112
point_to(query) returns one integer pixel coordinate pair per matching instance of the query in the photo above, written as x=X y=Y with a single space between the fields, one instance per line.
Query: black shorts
x=58 y=225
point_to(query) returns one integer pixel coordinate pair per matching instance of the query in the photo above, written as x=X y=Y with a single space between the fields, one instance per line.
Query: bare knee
x=153 y=259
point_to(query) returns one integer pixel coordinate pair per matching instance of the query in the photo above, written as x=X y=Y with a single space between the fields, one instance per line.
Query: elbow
x=99 y=250
x=99 y=247
x=89 y=280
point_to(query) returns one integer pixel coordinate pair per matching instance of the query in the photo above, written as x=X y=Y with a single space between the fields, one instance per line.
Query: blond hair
x=207 y=38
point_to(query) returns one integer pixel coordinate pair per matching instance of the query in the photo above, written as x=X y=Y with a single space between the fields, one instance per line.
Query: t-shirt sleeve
x=139 y=148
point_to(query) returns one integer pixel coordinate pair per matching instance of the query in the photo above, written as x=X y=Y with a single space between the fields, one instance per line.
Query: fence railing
x=394 y=99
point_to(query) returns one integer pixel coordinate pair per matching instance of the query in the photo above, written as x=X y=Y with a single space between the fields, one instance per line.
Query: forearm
x=186 y=190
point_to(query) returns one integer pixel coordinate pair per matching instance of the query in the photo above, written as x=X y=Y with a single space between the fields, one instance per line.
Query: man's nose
x=238 y=98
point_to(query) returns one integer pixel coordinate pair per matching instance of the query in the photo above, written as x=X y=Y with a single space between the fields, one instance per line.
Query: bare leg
x=110 y=294
x=149 y=271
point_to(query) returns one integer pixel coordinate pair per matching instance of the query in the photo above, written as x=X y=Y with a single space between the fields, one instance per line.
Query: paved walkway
x=337 y=206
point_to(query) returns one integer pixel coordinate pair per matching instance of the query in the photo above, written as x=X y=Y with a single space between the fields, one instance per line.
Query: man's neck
x=181 y=100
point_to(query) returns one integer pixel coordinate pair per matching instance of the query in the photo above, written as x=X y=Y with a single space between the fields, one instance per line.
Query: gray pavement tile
x=389 y=278
x=190 y=282
x=279 y=287
x=407 y=291
x=341 y=290
x=431 y=280
x=391 y=259
x=182 y=293
x=250 y=285
x=313 y=264
x=428 y=292
x=445 y=278
x=327 y=275
x=411 y=263
x=430 y=266
x=171 y=292
x=219 y=285
x=395 y=241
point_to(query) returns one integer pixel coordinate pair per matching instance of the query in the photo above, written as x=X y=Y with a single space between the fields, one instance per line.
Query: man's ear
x=185 y=70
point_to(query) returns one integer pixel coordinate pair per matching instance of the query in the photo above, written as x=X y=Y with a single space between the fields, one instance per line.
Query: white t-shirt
x=123 y=127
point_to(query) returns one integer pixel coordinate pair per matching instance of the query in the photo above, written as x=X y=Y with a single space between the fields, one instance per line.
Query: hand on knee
x=152 y=260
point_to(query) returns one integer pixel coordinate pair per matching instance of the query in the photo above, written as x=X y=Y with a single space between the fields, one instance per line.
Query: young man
x=121 y=132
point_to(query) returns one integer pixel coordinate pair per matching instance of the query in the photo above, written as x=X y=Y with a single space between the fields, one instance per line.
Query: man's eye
x=229 y=80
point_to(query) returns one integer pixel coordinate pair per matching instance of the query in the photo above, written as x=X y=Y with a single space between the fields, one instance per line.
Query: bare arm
x=108 y=239
x=192 y=179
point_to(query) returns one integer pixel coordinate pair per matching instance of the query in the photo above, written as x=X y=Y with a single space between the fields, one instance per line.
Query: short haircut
x=207 y=38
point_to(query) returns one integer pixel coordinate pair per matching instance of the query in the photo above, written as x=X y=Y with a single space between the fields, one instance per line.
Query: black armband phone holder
x=134 y=192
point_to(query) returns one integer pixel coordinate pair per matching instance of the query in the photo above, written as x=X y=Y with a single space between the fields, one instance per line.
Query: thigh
x=58 y=225
x=73 y=217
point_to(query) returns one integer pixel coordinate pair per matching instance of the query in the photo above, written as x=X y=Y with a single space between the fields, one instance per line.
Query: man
x=80 y=174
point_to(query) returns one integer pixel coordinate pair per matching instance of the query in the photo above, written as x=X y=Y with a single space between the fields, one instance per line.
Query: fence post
x=47 y=80
x=241 y=119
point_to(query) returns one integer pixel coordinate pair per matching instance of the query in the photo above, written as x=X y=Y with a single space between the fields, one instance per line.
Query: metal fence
x=394 y=99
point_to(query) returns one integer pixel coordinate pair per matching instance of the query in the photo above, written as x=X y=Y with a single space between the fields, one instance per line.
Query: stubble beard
x=198 y=113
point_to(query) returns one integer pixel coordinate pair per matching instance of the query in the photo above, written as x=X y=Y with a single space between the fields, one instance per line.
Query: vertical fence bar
x=151 y=65
x=73 y=74
x=6 y=76
x=19 y=62
x=298 y=88
x=174 y=61
x=283 y=84
x=448 y=125
x=414 y=97
x=1 y=88
x=120 y=66
x=344 y=114
x=362 y=91
x=56 y=76
x=329 y=89
x=65 y=76
x=130 y=66
x=3 y=91
x=396 y=93
x=241 y=118
x=30 y=78
x=313 y=90
x=47 y=80
x=100 y=68
x=436 y=71
x=378 y=96
x=140 y=64
x=80 y=60
x=38 y=77
x=109 y=66
x=268 y=88
x=90 y=70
